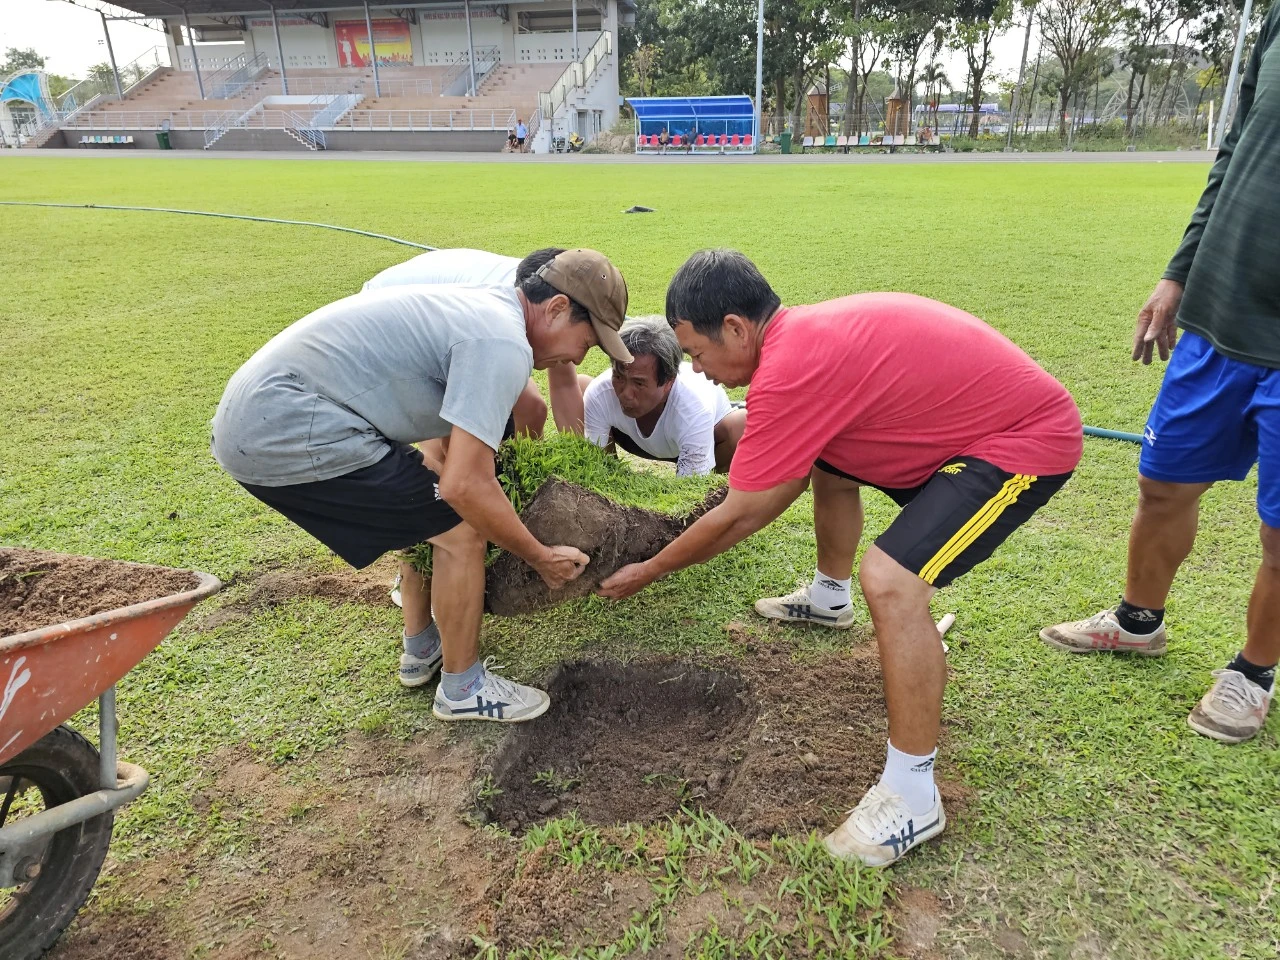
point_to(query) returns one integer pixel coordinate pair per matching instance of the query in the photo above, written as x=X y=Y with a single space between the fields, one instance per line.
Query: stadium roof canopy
x=163 y=9
x=738 y=107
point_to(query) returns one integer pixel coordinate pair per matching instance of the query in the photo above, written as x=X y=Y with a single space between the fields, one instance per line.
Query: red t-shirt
x=888 y=387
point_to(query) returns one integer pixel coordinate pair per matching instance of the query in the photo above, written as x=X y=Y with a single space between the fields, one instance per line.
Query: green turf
x=1097 y=818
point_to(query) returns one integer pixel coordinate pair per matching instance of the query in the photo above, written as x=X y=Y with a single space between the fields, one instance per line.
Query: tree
x=1075 y=30
x=24 y=59
x=914 y=26
x=1144 y=25
x=934 y=79
x=977 y=25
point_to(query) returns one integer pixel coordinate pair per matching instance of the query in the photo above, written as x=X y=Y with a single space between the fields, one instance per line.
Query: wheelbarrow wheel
x=56 y=769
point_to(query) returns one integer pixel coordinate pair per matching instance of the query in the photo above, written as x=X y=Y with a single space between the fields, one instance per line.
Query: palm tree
x=934 y=78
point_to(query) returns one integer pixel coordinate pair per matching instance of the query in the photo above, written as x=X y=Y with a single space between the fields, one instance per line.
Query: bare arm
x=469 y=486
x=566 y=397
x=741 y=515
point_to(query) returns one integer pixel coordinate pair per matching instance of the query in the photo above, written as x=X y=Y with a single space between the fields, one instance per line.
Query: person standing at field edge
x=1218 y=410
x=320 y=423
x=919 y=399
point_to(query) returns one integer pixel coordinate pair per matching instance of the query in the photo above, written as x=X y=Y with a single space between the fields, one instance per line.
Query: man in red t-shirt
x=921 y=400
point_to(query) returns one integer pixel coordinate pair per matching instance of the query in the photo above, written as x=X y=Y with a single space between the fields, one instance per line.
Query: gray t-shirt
x=325 y=395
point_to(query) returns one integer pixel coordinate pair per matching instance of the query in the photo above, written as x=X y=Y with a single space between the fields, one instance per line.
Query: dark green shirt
x=1229 y=258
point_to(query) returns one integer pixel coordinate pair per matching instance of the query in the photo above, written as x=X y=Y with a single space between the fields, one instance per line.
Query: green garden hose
x=1088 y=431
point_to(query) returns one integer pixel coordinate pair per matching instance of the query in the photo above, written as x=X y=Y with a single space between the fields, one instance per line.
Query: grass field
x=1098 y=824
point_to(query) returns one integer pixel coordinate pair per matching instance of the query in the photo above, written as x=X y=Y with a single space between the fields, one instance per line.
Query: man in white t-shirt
x=481 y=268
x=656 y=407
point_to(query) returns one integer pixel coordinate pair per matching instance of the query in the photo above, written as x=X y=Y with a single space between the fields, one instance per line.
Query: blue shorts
x=1214 y=419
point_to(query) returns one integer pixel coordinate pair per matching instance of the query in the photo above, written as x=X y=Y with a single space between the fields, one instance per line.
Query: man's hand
x=630 y=580
x=1157 y=322
x=560 y=565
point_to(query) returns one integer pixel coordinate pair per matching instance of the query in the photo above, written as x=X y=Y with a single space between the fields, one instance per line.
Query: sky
x=71 y=37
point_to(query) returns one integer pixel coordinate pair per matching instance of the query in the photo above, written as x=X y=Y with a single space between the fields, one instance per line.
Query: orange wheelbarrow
x=58 y=795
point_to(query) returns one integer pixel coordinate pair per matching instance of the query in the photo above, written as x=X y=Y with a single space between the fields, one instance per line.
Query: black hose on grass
x=207 y=213
x=1088 y=431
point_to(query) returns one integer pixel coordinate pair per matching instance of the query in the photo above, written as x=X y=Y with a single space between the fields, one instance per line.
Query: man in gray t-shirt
x=320 y=424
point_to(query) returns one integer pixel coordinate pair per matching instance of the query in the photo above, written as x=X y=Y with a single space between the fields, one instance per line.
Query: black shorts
x=520 y=141
x=391 y=505
x=956 y=520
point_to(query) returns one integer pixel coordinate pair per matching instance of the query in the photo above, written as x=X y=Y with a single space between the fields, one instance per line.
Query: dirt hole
x=623 y=742
x=770 y=744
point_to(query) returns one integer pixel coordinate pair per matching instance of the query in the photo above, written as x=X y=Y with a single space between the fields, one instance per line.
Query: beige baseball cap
x=588 y=277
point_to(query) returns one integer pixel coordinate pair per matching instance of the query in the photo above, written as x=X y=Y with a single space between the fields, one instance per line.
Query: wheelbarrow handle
x=22 y=833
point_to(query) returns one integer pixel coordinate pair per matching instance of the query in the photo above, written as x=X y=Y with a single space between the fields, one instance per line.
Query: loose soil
x=373 y=850
x=611 y=535
x=370 y=586
x=39 y=588
x=768 y=745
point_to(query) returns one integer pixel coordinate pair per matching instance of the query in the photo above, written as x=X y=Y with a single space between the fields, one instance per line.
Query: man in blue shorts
x=1218 y=411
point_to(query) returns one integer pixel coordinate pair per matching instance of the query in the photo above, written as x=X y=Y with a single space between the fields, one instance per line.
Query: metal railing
x=215 y=123
x=457 y=79
x=300 y=128
x=231 y=79
x=336 y=109
x=221 y=124
x=596 y=57
x=427 y=120
x=144 y=120
x=575 y=77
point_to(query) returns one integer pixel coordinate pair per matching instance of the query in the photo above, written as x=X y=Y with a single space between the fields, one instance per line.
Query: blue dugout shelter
x=733 y=118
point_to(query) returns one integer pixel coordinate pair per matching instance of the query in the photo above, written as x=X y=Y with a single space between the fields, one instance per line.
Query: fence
x=235 y=76
x=457 y=80
x=427 y=120
x=576 y=76
x=338 y=85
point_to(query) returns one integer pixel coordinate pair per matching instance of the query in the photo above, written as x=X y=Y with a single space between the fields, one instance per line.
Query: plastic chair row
x=743 y=141
x=117 y=140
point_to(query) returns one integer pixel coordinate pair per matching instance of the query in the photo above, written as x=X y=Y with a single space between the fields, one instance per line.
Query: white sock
x=828 y=592
x=910 y=778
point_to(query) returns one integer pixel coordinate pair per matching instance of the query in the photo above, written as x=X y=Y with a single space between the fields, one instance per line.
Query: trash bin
x=785 y=141
x=162 y=140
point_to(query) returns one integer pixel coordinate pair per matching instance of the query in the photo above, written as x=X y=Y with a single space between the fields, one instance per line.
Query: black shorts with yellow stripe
x=956 y=520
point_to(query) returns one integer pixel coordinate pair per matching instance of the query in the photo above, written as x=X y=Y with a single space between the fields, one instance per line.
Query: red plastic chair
x=699 y=142
x=724 y=140
x=735 y=140
x=746 y=140
x=677 y=141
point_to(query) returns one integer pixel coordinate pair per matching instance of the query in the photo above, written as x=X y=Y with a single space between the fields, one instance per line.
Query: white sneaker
x=1102 y=633
x=500 y=700
x=882 y=828
x=796 y=607
x=395 y=591
x=1234 y=709
x=415 y=672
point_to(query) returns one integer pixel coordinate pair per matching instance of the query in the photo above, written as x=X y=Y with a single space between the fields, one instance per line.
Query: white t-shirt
x=685 y=431
x=473 y=267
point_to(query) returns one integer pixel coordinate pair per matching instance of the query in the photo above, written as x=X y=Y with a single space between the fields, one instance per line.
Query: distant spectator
x=522 y=133
x=512 y=145
x=689 y=140
x=664 y=140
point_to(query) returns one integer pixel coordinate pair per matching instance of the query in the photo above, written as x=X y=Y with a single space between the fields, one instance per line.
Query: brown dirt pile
x=39 y=588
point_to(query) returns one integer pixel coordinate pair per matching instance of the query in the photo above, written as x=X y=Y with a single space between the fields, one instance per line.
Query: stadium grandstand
x=312 y=75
